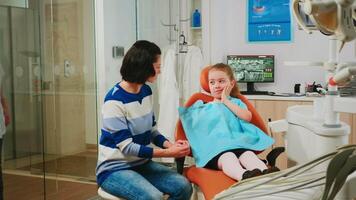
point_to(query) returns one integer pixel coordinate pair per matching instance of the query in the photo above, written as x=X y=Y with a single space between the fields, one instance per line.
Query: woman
x=125 y=168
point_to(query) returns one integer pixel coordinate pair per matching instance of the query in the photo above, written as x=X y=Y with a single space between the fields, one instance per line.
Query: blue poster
x=269 y=20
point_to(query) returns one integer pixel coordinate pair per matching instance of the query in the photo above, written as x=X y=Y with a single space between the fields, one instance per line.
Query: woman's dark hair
x=137 y=65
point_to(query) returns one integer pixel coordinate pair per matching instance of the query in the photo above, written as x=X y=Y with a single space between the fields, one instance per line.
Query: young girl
x=219 y=132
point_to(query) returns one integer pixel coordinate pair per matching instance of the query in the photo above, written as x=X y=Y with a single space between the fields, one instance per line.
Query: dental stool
x=106 y=195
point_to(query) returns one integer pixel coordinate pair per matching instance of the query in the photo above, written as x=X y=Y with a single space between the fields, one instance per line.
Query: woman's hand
x=179 y=149
x=182 y=143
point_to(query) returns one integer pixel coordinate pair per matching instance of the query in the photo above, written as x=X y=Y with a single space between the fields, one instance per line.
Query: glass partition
x=69 y=98
x=48 y=57
x=20 y=59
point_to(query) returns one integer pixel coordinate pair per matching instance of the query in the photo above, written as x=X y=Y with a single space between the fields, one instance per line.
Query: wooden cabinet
x=276 y=109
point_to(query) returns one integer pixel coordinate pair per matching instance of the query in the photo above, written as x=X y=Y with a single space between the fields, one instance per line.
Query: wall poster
x=269 y=20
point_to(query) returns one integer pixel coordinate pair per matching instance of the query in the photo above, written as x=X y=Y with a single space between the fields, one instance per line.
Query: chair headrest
x=204 y=79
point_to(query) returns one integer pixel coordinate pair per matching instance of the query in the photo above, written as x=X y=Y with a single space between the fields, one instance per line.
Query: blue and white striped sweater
x=128 y=128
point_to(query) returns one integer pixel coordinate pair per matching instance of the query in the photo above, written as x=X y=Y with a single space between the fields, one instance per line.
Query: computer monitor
x=252 y=69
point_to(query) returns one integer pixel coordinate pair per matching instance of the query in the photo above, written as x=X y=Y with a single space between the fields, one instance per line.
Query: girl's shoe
x=271 y=170
x=251 y=173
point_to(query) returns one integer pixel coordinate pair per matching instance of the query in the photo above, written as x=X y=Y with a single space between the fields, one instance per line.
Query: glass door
x=69 y=98
x=20 y=60
x=47 y=54
x=47 y=51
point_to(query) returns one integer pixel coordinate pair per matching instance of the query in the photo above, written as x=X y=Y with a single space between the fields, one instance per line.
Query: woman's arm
x=167 y=144
x=115 y=128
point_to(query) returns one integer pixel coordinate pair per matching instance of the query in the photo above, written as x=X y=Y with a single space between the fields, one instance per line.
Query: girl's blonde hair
x=227 y=69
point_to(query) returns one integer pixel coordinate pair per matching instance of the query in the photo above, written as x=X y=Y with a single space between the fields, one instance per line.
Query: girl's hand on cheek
x=226 y=93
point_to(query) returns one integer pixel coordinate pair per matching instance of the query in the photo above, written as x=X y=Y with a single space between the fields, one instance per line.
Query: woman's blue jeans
x=148 y=181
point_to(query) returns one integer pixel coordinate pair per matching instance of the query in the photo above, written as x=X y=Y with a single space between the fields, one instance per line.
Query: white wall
x=119 y=30
x=120 y=27
x=116 y=25
x=150 y=16
x=225 y=34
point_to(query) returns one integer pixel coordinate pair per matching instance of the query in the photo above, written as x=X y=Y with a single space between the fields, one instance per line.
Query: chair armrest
x=273 y=155
x=180 y=164
x=278 y=126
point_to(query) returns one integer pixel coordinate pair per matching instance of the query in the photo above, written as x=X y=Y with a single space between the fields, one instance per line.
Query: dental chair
x=212 y=182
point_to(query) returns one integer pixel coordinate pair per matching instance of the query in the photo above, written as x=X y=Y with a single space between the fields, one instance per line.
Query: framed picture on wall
x=269 y=21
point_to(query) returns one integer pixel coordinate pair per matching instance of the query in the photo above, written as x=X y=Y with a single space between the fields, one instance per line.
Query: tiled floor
x=18 y=187
x=67 y=177
x=81 y=165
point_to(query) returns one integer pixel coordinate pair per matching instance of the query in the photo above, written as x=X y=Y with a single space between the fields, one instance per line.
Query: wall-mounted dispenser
x=118 y=51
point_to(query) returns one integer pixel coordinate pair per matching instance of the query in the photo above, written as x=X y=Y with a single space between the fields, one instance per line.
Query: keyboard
x=288 y=94
x=255 y=92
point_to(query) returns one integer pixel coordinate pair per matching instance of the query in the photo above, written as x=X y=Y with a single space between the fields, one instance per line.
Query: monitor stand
x=251 y=90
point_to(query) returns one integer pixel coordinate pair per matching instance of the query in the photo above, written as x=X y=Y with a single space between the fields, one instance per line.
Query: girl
x=125 y=168
x=224 y=125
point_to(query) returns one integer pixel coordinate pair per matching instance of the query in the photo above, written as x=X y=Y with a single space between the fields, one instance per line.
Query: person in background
x=125 y=168
x=4 y=121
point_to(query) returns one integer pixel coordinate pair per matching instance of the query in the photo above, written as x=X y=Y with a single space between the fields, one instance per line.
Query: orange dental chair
x=212 y=182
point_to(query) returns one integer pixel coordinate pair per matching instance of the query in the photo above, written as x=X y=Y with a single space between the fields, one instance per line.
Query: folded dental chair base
x=312 y=180
x=203 y=177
